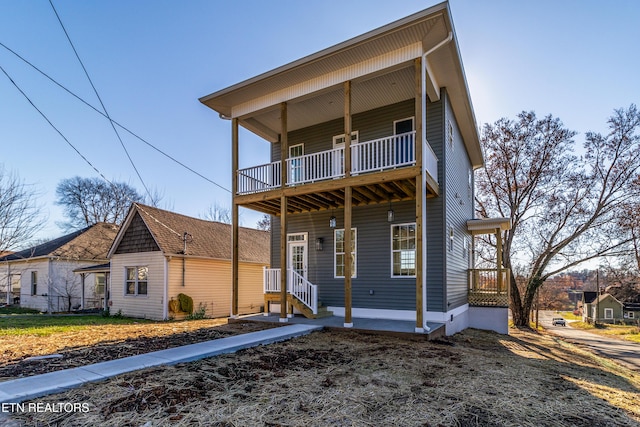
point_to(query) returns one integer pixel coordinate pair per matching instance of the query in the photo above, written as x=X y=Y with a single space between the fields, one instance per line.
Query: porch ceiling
x=395 y=86
x=316 y=197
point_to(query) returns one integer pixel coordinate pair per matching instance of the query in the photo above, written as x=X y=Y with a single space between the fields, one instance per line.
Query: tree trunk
x=521 y=309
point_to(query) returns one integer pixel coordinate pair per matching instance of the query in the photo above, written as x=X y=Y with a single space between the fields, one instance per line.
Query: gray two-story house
x=370 y=183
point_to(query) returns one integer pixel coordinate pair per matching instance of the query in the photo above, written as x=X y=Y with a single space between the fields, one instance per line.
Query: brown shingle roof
x=207 y=238
x=91 y=243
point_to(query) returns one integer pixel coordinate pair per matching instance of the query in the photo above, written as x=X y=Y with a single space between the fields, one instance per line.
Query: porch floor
x=381 y=326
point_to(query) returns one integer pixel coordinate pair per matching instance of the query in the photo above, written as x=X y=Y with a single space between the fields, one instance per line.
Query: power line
x=115 y=122
x=100 y=100
x=44 y=116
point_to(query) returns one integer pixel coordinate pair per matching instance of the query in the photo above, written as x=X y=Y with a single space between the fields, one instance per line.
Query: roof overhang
x=488 y=225
x=379 y=65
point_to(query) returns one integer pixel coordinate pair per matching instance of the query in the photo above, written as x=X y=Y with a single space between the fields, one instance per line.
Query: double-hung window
x=403 y=250
x=34 y=283
x=136 y=280
x=340 y=252
x=608 y=313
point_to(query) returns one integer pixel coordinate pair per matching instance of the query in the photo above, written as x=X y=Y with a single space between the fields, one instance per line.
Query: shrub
x=186 y=303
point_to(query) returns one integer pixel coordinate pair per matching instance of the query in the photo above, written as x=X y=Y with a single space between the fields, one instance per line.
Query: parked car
x=558 y=321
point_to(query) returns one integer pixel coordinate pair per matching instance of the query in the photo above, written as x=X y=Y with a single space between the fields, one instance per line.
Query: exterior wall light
x=319 y=244
x=332 y=222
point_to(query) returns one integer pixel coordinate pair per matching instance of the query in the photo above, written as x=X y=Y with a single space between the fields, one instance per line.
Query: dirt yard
x=100 y=343
x=348 y=379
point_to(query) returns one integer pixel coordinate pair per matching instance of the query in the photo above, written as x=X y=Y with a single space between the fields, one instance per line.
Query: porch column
x=234 y=219
x=82 y=277
x=348 y=321
x=419 y=197
x=499 y=258
x=284 y=146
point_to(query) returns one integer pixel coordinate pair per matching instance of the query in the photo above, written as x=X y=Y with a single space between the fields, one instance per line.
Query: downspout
x=165 y=294
x=9 y=300
x=424 y=193
x=49 y=271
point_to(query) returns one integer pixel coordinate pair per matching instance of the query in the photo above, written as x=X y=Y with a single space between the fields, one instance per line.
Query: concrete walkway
x=16 y=391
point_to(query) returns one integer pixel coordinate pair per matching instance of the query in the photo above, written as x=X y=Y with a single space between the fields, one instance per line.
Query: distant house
x=604 y=308
x=42 y=276
x=631 y=311
x=158 y=255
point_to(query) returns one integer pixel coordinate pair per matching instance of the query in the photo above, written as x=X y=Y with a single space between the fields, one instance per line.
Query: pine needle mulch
x=343 y=378
x=98 y=343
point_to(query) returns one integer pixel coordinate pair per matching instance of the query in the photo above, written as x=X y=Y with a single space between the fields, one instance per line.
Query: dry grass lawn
x=348 y=379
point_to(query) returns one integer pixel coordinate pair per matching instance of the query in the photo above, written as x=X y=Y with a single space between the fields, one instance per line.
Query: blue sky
x=151 y=60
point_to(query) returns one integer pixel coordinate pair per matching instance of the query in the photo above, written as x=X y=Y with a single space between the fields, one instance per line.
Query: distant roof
x=207 y=239
x=100 y=268
x=589 y=296
x=91 y=243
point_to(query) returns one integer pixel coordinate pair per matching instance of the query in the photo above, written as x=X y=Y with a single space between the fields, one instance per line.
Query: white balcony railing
x=315 y=167
x=368 y=156
x=259 y=178
x=271 y=280
x=384 y=153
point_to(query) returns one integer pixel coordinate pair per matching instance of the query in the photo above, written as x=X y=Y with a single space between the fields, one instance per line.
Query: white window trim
x=291 y=147
x=608 y=313
x=355 y=137
x=34 y=283
x=630 y=315
x=414 y=250
x=413 y=123
x=305 y=236
x=135 y=288
x=354 y=274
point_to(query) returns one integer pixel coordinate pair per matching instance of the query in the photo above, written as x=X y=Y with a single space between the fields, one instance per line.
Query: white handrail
x=315 y=166
x=259 y=178
x=271 y=280
x=384 y=153
x=303 y=290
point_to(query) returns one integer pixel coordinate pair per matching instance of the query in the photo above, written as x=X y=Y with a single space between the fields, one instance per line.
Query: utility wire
x=100 y=100
x=78 y=151
x=115 y=122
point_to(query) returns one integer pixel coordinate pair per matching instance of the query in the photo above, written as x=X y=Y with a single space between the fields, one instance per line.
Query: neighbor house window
x=136 y=281
x=608 y=313
x=101 y=280
x=34 y=283
x=403 y=250
x=630 y=315
x=340 y=252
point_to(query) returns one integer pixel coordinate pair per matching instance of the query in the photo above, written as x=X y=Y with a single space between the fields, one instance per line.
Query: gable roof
x=393 y=47
x=90 y=243
x=606 y=296
x=207 y=239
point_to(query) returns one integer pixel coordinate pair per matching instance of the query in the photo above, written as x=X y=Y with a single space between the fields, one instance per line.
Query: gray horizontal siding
x=373 y=256
x=370 y=125
x=459 y=209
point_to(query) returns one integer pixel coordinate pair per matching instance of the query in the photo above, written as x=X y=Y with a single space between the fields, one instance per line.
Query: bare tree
x=564 y=209
x=218 y=213
x=20 y=215
x=264 y=223
x=87 y=201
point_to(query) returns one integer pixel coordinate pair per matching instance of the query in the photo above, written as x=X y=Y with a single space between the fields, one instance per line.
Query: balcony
x=485 y=290
x=383 y=154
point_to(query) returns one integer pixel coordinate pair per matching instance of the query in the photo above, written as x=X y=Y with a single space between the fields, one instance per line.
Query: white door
x=298 y=258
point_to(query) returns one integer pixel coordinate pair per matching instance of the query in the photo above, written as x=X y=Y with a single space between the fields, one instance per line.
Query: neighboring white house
x=158 y=255
x=44 y=274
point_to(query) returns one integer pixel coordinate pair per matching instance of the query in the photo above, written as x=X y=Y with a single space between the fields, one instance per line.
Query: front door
x=298 y=257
